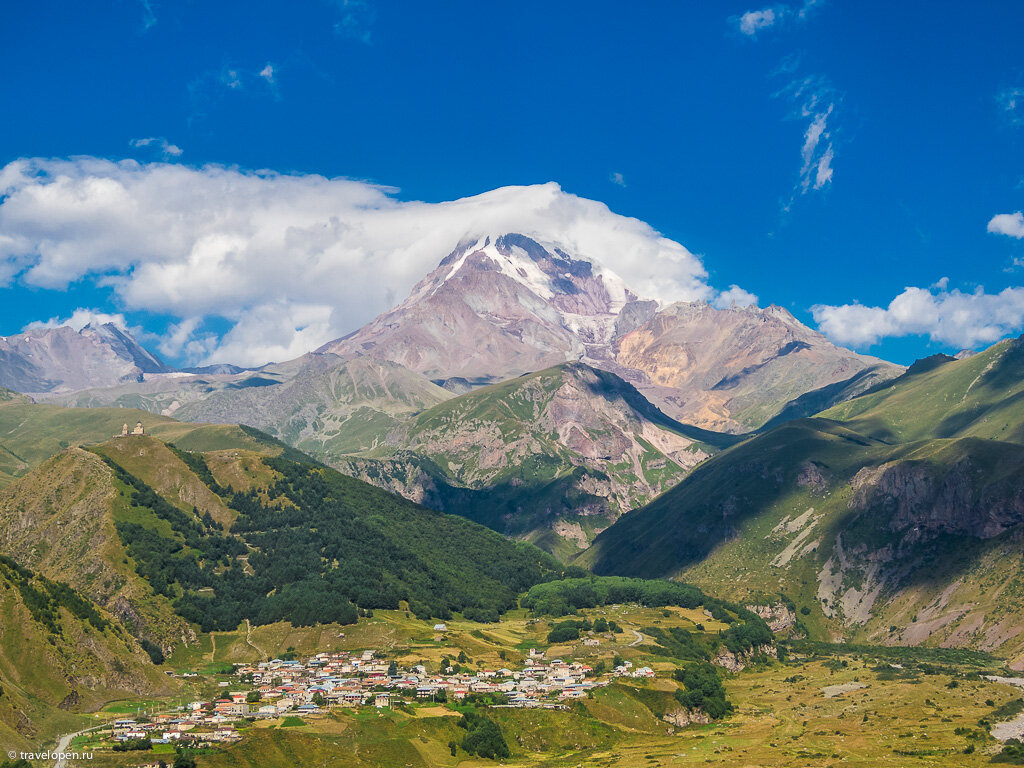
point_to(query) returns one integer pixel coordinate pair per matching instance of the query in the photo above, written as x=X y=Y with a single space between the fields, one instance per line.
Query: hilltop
x=31 y=432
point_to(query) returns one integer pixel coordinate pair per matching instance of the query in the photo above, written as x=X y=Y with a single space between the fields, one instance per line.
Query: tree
x=184 y=760
x=392 y=669
x=483 y=737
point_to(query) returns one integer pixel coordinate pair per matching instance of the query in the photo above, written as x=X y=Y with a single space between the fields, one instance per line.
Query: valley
x=822 y=704
x=541 y=552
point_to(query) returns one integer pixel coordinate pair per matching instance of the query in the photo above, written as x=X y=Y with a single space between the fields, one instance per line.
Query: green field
x=923 y=711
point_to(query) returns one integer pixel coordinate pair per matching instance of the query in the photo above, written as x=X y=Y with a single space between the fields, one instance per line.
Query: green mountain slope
x=553 y=456
x=894 y=517
x=328 y=407
x=59 y=655
x=320 y=403
x=168 y=539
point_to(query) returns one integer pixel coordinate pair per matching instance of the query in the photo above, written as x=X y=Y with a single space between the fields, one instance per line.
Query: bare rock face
x=684 y=717
x=555 y=456
x=496 y=308
x=779 y=617
x=922 y=500
x=56 y=360
x=732 y=662
x=733 y=369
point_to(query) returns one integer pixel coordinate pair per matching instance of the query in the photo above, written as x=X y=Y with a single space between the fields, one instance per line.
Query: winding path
x=64 y=743
x=250 y=643
x=639 y=639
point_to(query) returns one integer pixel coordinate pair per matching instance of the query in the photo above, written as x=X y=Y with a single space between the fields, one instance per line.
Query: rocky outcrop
x=575 y=427
x=737 y=662
x=779 y=617
x=921 y=499
x=684 y=717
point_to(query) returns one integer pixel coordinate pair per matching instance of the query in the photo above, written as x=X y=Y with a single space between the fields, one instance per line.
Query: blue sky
x=817 y=154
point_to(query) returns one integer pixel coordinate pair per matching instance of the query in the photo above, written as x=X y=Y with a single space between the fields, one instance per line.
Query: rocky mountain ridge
x=499 y=307
x=553 y=456
x=61 y=359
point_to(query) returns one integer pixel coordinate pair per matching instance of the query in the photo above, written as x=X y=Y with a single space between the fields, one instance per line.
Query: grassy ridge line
x=31 y=432
x=305 y=534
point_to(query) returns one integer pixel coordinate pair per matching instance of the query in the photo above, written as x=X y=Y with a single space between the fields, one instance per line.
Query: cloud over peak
x=290 y=261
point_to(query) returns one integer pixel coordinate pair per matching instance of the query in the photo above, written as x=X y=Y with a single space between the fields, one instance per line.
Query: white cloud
x=815 y=101
x=953 y=318
x=753 y=21
x=355 y=20
x=148 y=15
x=1010 y=224
x=80 y=318
x=230 y=77
x=618 y=179
x=160 y=143
x=267 y=73
x=292 y=261
x=734 y=297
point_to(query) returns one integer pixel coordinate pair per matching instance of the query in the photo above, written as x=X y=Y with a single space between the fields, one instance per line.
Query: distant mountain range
x=60 y=360
x=496 y=308
x=651 y=385
x=528 y=389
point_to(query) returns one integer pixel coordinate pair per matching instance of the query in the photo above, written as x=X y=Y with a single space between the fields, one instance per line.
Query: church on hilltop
x=137 y=431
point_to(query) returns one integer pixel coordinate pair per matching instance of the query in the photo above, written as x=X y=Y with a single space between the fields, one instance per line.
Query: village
x=350 y=679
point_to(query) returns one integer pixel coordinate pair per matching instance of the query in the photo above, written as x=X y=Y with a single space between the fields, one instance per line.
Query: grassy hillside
x=327 y=406
x=61 y=655
x=61 y=520
x=320 y=403
x=894 y=517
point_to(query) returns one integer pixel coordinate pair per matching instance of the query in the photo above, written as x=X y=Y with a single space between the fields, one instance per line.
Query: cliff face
x=734 y=369
x=923 y=499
